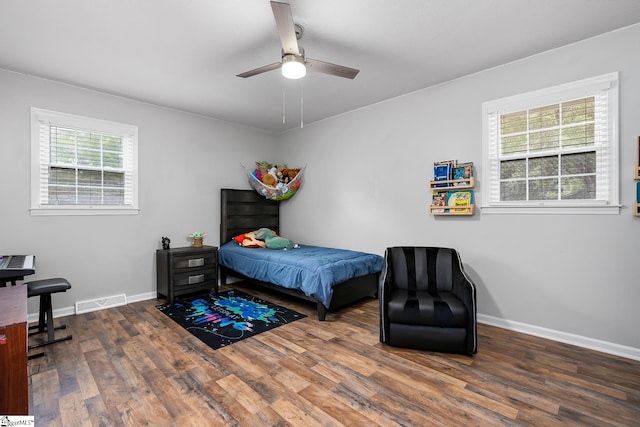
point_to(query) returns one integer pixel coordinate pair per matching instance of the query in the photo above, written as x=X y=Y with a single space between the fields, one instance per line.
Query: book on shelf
x=460 y=201
x=462 y=171
x=443 y=171
x=439 y=199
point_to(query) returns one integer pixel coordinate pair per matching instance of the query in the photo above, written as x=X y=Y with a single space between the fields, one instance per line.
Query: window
x=82 y=166
x=554 y=150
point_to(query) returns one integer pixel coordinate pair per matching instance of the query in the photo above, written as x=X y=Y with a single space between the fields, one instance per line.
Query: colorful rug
x=228 y=317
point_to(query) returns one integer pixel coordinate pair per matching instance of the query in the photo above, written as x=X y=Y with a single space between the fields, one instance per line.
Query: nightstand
x=187 y=270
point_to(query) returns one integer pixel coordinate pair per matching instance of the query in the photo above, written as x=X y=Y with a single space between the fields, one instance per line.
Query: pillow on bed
x=248 y=240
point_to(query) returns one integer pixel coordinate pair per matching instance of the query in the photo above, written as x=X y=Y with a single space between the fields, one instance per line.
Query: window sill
x=68 y=211
x=553 y=210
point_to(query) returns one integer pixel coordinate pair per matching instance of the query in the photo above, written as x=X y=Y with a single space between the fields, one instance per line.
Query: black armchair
x=427 y=302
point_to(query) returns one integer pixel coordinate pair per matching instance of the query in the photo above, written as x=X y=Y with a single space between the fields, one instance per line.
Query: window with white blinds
x=82 y=165
x=554 y=150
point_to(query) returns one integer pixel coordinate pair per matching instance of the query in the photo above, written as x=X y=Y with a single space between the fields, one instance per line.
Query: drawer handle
x=196 y=279
x=196 y=262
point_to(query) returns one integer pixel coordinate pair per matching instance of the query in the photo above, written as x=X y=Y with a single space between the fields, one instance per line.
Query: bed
x=331 y=278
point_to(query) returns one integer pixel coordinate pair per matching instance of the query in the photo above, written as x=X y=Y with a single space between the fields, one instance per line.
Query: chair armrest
x=464 y=288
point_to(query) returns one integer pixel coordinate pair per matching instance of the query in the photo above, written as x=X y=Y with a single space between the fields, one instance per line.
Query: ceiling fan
x=294 y=63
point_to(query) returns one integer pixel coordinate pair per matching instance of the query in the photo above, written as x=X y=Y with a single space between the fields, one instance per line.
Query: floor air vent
x=100 y=303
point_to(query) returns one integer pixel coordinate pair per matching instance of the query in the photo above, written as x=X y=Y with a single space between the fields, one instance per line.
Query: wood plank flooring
x=133 y=366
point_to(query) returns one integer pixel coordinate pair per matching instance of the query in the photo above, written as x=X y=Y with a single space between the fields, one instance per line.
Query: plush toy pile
x=275 y=182
x=264 y=238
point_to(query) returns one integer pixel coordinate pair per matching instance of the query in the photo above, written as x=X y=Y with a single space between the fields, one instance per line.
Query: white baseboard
x=68 y=311
x=567 y=338
x=142 y=297
x=60 y=312
x=577 y=340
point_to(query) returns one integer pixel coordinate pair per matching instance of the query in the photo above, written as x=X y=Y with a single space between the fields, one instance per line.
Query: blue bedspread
x=312 y=269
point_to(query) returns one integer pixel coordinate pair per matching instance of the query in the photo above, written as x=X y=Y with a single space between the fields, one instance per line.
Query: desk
x=14 y=385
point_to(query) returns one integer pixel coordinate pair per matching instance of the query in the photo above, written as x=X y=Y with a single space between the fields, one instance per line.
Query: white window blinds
x=83 y=165
x=554 y=149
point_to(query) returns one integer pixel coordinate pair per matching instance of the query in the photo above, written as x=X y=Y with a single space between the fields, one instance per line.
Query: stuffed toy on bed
x=272 y=240
x=248 y=240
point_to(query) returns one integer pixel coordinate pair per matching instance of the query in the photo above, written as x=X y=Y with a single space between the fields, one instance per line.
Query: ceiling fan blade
x=260 y=70
x=333 y=69
x=286 y=29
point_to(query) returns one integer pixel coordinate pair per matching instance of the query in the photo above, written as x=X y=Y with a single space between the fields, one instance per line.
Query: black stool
x=44 y=289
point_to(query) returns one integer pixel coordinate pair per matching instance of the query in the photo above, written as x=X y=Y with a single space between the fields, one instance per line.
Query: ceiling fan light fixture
x=293 y=66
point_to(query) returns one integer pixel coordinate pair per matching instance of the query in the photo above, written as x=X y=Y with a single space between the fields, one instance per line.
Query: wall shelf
x=637 y=168
x=452 y=210
x=444 y=198
x=459 y=184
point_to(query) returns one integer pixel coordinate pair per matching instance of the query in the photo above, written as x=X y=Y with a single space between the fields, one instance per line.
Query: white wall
x=366 y=188
x=184 y=160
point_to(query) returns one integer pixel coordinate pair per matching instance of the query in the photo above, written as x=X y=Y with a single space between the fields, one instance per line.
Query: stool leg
x=42 y=313
x=46 y=318
x=49 y=315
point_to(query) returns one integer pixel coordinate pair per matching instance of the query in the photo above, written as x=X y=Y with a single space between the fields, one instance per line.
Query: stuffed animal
x=272 y=240
x=248 y=240
x=282 y=188
x=197 y=237
x=263 y=167
x=279 y=169
x=271 y=178
x=289 y=174
x=294 y=184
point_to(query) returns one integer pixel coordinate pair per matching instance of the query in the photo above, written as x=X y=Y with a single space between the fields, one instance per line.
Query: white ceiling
x=185 y=54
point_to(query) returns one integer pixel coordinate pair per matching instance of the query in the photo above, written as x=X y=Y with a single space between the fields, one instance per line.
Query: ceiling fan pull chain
x=301 y=106
x=283 y=108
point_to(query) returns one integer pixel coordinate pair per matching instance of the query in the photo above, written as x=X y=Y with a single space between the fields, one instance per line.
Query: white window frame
x=608 y=204
x=41 y=120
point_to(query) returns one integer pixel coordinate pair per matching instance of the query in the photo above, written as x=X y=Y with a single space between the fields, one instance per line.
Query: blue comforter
x=312 y=269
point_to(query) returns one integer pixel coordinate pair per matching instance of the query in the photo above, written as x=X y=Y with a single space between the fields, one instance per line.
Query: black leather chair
x=427 y=301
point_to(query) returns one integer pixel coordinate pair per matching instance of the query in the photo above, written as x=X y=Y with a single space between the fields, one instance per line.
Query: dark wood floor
x=132 y=366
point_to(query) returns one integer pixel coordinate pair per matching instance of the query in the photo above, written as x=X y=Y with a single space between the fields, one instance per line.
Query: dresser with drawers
x=188 y=270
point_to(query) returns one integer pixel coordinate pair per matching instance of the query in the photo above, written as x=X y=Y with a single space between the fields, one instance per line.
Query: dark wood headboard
x=242 y=211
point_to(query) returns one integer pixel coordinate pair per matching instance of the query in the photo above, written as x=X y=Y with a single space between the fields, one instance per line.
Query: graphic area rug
x=228 y=317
